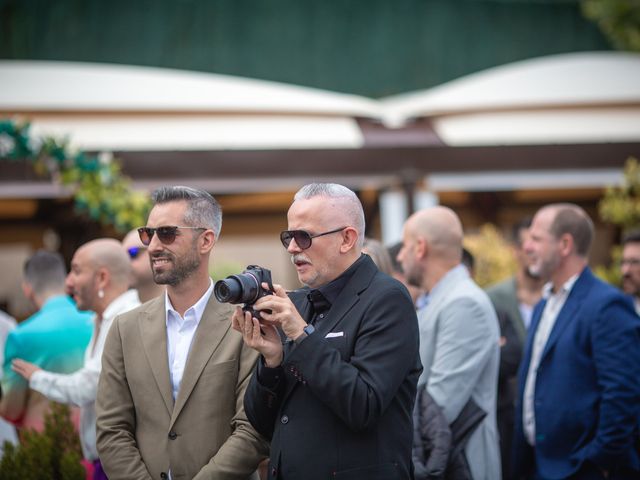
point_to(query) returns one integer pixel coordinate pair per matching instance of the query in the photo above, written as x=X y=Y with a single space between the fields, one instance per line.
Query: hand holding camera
x=266 y=302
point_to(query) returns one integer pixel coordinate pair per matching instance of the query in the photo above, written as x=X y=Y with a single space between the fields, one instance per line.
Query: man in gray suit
x=459 y=337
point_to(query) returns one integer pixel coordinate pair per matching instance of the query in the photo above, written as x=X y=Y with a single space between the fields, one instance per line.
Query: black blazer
x=341 y=406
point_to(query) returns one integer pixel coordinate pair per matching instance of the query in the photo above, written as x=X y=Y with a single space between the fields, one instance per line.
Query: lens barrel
x=241 y=288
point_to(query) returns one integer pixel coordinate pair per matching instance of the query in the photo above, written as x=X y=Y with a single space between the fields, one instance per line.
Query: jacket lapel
x=153 y=329
x=210 y=332
x=349 y=296
x=568 y=312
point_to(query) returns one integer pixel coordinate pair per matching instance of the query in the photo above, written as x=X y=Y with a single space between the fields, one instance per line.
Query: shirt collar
x=198 y=307
x=331 y=290
x=122 y=303
x=459 y=269
x=547 y=289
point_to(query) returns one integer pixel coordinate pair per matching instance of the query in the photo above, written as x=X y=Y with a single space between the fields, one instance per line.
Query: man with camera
x=174 y=373
x=336 y=380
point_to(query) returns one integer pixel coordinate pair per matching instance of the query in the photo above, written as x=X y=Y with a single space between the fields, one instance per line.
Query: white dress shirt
x=79 y=388
x=555 y=302
x=180 y=332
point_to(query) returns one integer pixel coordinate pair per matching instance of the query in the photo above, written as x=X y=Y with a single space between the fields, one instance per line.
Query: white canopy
x=570 y=98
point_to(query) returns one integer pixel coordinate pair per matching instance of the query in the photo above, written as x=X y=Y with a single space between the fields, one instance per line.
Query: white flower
x=105 y=158
x=7 y=144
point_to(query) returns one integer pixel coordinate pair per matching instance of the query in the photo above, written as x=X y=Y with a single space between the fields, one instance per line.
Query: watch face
x=309 y=329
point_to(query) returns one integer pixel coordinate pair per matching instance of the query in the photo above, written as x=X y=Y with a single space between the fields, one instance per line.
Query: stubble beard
x=180 y=271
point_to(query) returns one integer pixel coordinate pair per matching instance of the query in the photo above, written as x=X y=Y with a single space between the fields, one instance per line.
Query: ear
x=349 y=239
x=207 y=241
x=422 y=247
x=27 y=289
x=567 y=245
x=103 y=277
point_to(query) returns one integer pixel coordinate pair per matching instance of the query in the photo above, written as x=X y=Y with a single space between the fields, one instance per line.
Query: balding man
x=142 y=275
x=336 y=381
x=459 y=337
x=579 y=394
x=98 y=281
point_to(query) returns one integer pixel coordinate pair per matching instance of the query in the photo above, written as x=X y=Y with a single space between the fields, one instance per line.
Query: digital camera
x=245 y=287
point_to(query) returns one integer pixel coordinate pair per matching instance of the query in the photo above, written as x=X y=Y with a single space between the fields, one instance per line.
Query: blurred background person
x=54 y=338
x=98 y=281
x=630 y=266
x=458 y=335
x=417 y=295
x=513 y=299
x=378 y=254
x=578 y=390
x=141 y=274
x=517 y=295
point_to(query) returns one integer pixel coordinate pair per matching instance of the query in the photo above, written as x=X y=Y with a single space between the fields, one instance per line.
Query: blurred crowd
x=391 y=362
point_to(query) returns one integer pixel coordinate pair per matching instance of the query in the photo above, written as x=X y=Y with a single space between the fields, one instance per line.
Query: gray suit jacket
x=141 y=433
x=460 y=354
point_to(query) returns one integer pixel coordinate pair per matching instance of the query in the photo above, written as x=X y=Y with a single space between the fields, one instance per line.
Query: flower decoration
x=99 y=188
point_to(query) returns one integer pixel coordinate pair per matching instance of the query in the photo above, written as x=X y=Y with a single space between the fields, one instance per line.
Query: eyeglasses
x=135 y=251
x=166 y=234
x=632 y=262
x=302 y=237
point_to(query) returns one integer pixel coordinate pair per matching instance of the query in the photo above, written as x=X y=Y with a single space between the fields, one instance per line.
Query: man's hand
x=23 y=368
x=264 y=339
x=283 y=312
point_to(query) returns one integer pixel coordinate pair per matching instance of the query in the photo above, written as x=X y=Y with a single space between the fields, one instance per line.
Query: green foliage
x=494 y=260
x=100 y=189
x=53 y=454
x=619 y=20
x=621 y=204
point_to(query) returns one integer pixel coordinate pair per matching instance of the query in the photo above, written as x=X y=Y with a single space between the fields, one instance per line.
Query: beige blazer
x=141 y=434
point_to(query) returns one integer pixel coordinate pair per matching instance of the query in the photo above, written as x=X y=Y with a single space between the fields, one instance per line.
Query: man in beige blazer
x=170 y=396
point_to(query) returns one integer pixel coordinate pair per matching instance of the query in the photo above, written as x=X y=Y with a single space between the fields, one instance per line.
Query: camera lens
x=241 y=288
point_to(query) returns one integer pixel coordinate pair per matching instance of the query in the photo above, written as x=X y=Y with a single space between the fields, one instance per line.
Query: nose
x=624 y=268
x=68 y=283
x=293 y=247
x=155 y=245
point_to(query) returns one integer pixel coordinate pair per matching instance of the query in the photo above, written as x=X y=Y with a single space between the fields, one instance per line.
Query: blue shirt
x=54 y=338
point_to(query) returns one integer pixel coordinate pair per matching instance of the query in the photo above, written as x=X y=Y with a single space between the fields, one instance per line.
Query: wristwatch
x=306 y=331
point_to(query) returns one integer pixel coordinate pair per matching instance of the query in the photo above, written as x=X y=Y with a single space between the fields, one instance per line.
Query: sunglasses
x=166 y=234
x=135 y=251
x=302 y=237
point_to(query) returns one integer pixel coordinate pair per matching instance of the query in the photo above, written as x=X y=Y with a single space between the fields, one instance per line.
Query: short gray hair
x=202 y=211
x=353 y=206
x=45 y=271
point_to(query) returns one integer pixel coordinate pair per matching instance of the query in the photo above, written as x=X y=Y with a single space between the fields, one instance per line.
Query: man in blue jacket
x=579 y=389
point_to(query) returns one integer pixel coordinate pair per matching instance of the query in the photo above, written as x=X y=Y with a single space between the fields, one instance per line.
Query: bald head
x=107 y=253
x=442 y=229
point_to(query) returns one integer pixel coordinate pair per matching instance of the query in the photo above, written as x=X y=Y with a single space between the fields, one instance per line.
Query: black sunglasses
x=302 y=237
x=135 y=251
x=166 y=234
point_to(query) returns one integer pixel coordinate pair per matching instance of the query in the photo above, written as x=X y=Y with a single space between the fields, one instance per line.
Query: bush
x=53 y=454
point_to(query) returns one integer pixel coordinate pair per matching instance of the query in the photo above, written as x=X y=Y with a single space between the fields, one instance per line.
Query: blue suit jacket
x=587 y=392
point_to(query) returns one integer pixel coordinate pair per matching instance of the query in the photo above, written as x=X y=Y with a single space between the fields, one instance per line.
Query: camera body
x=245 y=287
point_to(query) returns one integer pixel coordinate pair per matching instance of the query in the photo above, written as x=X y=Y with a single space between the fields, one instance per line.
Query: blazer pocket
x=222 y=368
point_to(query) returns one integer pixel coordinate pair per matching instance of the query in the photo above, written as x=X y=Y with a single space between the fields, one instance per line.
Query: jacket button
x=284 y=420
x=164 y=476
x=173 y=435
